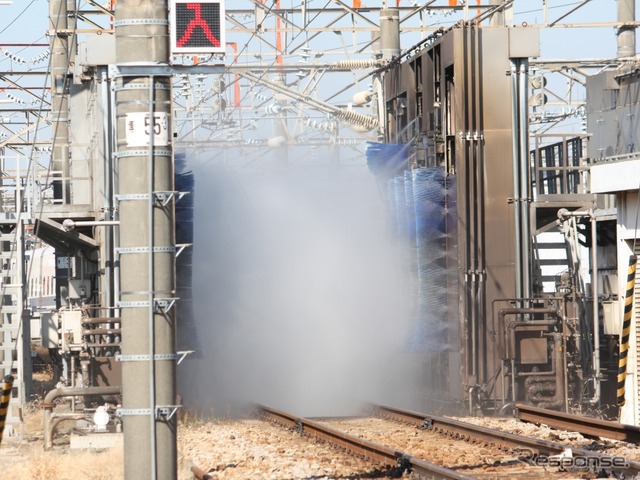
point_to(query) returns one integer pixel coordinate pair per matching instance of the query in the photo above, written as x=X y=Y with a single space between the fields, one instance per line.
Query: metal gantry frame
x=253 y=29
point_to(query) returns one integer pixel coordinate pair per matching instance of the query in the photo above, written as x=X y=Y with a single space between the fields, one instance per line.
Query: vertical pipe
x=477 y=200
x=524 y=178
x=558 y=360
x=114 y=175
x=563 y=383
x=470 y=277
x=504 y=393
x=479 y=142
x=108 y=194
x=627 y=33
x=596 y=311
x=513 y=380
x=73 y=380
x=515 y=73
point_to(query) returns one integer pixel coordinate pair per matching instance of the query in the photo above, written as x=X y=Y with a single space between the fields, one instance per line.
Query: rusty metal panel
x=533 y=350
x=484 y=166
x=107 y=371
x=458 y=91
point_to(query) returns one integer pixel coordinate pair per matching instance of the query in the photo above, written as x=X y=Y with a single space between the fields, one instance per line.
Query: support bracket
x=167 y=411
x=164 y=304
x=181 y=247
x=165 y=197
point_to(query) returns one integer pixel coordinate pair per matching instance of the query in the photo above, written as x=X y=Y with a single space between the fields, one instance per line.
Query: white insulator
x=219 y=104
x=362 y=98
x=306 y=52
x=273 y=109
x=218 y=85
x=41 y=57
x=13 y=57
x=276 y=142
x=359 y=64
x=15 y=99
x=537 y=99
x=355 y=118
x=537 y=82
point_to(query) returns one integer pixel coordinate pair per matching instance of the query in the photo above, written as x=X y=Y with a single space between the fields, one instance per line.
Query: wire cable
x=18 y=16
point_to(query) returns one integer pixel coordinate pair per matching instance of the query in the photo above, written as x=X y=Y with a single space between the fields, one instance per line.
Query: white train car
x=41 y=279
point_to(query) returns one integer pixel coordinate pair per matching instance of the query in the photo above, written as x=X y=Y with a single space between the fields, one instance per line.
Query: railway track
x=534 y=447
x=592 y=427
x=480 y=452
x=359 y=446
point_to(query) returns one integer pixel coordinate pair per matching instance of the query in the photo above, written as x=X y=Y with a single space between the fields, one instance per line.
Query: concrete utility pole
x=390 y=34
x=627 y=33
x=59 y=28
x=147 y=245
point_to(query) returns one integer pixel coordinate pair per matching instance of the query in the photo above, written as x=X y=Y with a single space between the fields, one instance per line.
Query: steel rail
x=594 y=427
x=492 y=437
x=360 y=446
x=200 y=474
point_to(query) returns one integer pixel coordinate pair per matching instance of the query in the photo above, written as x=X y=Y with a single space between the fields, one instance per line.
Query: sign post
x=197 y=27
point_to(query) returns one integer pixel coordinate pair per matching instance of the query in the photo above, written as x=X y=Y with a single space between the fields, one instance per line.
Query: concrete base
x=97 y=440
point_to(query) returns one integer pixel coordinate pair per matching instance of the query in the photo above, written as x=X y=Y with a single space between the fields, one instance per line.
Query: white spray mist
x=300 y=294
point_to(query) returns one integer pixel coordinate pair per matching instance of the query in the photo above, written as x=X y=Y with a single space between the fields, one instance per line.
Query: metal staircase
x=551 y=257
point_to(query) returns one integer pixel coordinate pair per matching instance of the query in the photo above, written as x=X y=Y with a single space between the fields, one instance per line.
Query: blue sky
x=26 y=21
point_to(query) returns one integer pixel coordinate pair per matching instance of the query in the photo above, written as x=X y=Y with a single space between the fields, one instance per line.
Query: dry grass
x=205 y=438
x=64 y=465
x=26 y=458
